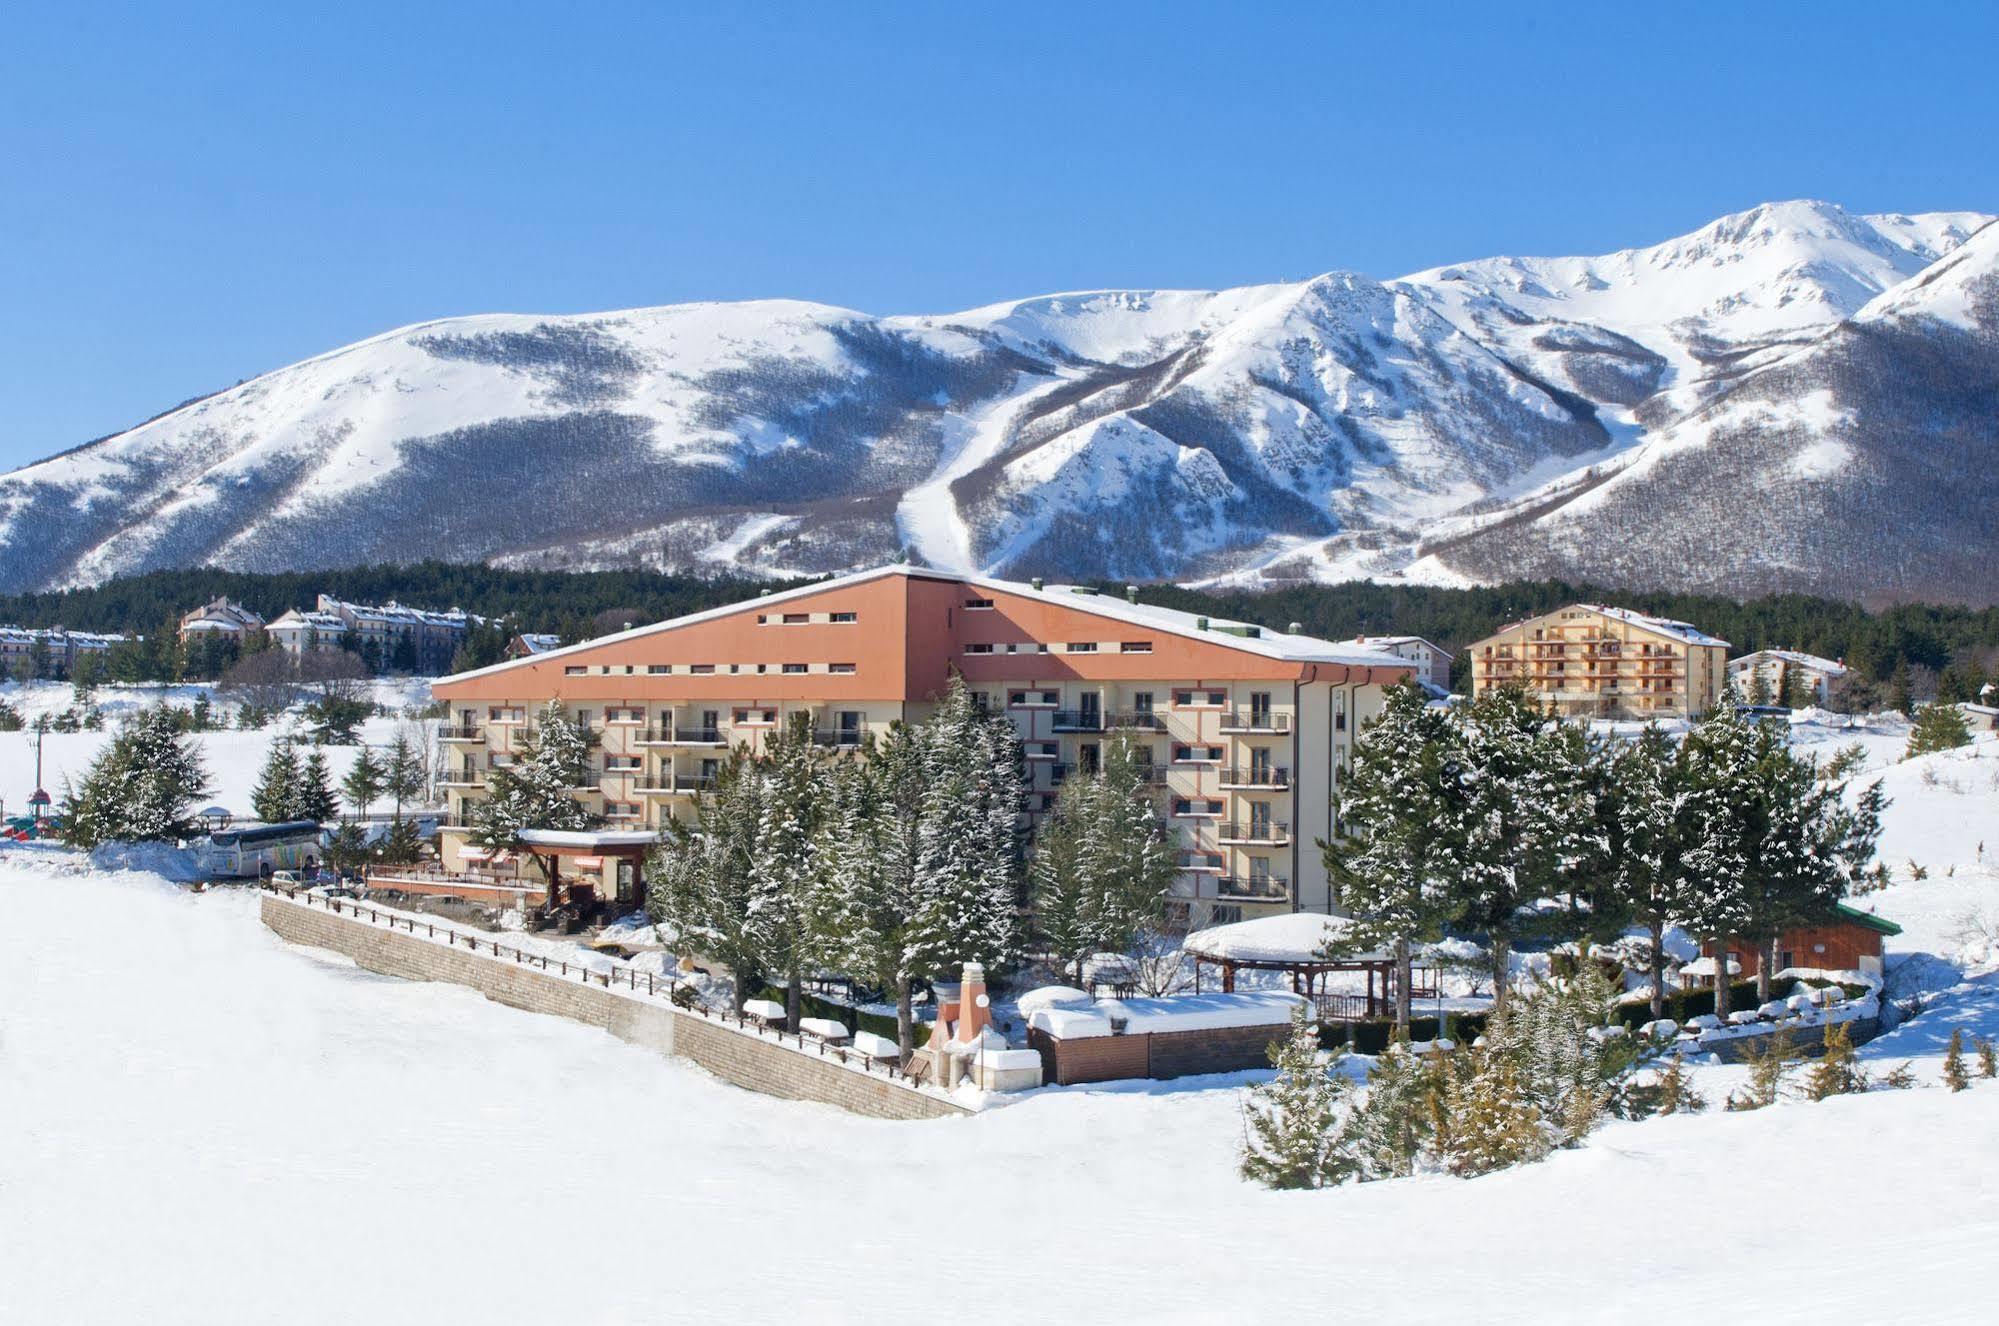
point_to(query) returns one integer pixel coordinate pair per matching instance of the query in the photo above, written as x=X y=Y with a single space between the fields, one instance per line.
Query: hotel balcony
x=653 y=736
x=1079 y=720
x=839 y=738
x=1254 y=721
x=1253 y=888
x=1263 y=832
x=462 y=778
x=463 y=733
x=1145 y=719
x=1255 y=775
x=696 y=736
x=677 y=785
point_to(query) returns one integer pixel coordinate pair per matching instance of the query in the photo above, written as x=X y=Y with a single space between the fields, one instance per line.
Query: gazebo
x=1297 y=943
x=603 y=861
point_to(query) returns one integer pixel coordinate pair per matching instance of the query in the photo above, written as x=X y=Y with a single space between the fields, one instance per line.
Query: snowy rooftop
x=1205 y=1012
x=1285 y=938
x=1797 y=658
x=1686 y=631
x=1247 y=636
x=1389 y=641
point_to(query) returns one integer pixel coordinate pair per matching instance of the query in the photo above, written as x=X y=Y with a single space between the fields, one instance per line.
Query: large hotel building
x=1592 y=661
x=1246 y=729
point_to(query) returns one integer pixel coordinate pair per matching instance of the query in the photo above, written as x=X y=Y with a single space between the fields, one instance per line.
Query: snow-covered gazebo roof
x=1287 y=940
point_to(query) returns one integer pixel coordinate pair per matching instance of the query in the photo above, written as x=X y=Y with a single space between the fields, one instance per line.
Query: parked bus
x=249 y=853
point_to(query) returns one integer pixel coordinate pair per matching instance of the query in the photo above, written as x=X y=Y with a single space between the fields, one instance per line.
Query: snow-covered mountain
x=1432 y=427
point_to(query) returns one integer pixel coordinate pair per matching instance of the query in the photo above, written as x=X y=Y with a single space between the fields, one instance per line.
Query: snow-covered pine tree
x=1289 y=1121
x=1937 y=727
x=698 y=879
x=537 y=790
x=1396 y=803
x=141 y=789
x=1719 y=827
x=313 y=797
x=276 y=791
x=854 y=912
x=1988 y=1057
x=1495 y=840
x=1102 y=862
x=1954 y=1075
x=1648 y=778
x=1759 y=687
x=363 y=782
x=1388 y=1131
x=1676 y=1095
x=1578 y=831
x=1837 y=1072
x=403 y=845
x=1796 y=691
x=968 y=866
x=783 y=866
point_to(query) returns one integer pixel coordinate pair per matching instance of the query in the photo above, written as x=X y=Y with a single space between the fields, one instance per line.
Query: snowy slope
x=1323 y=428
x=198 y=1134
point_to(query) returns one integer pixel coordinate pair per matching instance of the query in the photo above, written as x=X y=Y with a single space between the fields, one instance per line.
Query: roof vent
x=1035 y=583
x=1131 y=593
x=1200 y=623
x=1081 y=589
x=1295 y=628
x=763 y=593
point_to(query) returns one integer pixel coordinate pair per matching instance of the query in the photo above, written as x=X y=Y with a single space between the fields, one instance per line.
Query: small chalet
x=1847 y=940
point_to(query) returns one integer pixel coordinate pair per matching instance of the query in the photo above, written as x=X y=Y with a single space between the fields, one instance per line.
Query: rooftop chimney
x=1295 y=628
x=1131 y=593
x=1036 y=582
x=1200 y=623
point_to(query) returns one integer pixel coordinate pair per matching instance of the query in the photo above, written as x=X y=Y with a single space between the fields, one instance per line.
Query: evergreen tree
x=1395 y=804
x=402 y=846
x=1717 y=827
x=1937 y=727
x=141 y=789
x=1838 y=1070
x=1954 y=1075
x=1676 y=1095
x=364 y=780
x=1796 y=691
x=1759 y=687
x=1485 y=1121
x=1768 y=1063
x=1988 y=1057
x=537 y=791
x=403 y=774
x=1496 y=843
x=314 y=798
x=1288 y=1133
x=1901 y=694
x=1386 y=1134
x=347 y=850
x=784 y=864
x=968 y=864
x=1102 y=862
x=276 y=792
x=698 y=879
x=1649 y=858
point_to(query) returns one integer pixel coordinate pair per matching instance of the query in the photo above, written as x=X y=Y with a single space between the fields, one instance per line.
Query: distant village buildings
x=529 y=643
x=1593 y=661
x=219 y=617
x=388 y=637
x=1776 y=673
x=53 y=652
x=1433 y=662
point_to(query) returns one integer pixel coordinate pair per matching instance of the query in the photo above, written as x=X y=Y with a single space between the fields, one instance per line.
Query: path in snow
x=927 y=518
x=207 y=1126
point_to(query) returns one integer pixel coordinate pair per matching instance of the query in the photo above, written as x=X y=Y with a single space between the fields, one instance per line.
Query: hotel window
x=793 y=669
x=1200 y=699
x=797 y=618
x=701 y=669
x=755 y=717
x=842 y=668
x=621 y=763
x=978 y=604
x=574 y=670
x=1136 y=647
x=978 y=649
x=1081 y=646
x=1183 y=754
x=659 y=669
x=1042 y=750
x=624 y=715
x=621 y=810
x=844 y=618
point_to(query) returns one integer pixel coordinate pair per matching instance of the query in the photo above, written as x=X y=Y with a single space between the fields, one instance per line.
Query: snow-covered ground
x=234 y=759
x=271 y=1134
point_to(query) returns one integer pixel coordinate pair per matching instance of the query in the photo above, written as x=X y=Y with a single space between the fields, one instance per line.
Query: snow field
x=390 y=1152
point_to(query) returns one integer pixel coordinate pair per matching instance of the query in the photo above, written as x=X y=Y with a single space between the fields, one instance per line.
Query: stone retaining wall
x=741 y=1057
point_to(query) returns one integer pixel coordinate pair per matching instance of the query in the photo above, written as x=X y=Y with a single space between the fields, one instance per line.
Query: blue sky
x=198 y=194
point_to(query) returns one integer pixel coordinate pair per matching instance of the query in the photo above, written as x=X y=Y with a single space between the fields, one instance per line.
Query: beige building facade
x=1595 y=661
x=1244 y=731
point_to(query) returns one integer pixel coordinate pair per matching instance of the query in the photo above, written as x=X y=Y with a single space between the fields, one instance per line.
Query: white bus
x=248 y=853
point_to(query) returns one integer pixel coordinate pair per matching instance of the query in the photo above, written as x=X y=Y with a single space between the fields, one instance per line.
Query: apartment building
x=1776 y=668
x=1593 y=661
x=1433 y=661
x=1243 y=730
x=55 y=648
x=390 y=637
x=220 y=617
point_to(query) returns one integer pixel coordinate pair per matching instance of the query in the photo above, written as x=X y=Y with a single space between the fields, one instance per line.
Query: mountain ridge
x=1338 y=427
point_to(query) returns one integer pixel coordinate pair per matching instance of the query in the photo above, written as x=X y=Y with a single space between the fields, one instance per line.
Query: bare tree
x=267 y=680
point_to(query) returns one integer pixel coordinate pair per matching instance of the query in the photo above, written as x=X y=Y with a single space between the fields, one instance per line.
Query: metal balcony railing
x=1254 y=888
x=1256 y=776
x=462 y=732
x=1254 y=831
x=1256 y=721
x=1078 y=720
